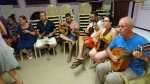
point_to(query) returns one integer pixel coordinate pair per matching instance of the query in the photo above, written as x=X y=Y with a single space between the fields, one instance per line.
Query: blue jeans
x=72 y=37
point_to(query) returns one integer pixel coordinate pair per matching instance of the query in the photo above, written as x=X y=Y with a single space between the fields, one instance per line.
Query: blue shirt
x=25 y=35
x=137 y=65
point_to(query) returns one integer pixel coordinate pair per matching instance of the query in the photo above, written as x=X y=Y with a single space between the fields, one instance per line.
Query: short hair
x=95 y=13
x=43 y=12
x=111 y=19
x=128 y=19
x=68 y=14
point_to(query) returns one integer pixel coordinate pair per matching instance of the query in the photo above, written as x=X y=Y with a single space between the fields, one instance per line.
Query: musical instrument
x=65 y=29
x=90 y=31
x=125 y=57
x=97 y=45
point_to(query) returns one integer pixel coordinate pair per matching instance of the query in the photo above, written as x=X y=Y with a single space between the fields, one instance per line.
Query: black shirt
x=47 y=28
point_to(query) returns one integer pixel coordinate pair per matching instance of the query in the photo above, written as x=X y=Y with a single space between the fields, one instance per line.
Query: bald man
x=129 y=41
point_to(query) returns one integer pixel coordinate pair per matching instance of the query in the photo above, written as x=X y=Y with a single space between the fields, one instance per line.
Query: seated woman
x=26 y=36
x=106 y=35
x=12 y=29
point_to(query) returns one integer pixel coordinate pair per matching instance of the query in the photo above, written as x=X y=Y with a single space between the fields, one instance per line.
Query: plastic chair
x=85 y=8
x=141 y=80
x=65 y=8
x=51 y=10
x=106 y=7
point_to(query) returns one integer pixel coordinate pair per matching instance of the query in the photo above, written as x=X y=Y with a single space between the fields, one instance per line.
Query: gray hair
x=128 y=20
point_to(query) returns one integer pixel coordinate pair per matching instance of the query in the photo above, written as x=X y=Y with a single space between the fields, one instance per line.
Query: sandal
x=69 y=59
x=76 y=63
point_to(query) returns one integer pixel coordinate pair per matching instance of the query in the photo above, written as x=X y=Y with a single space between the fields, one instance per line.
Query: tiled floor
x=55 y=71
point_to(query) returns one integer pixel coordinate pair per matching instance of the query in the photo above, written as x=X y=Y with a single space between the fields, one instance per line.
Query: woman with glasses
x=105 y=36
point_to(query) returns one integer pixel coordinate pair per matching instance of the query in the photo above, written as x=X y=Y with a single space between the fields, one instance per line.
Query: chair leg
x=64 y=47
x=21 y=56
x=91 y=63
x=35 y=52
x=54 y=52
x=39 y=52
x=76 y=48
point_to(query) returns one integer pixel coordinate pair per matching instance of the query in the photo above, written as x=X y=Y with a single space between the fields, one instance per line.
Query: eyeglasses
x=122 y=26
x=106 y=21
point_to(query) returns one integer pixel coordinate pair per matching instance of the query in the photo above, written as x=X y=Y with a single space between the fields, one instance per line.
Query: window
x=145 y=5
x=66 y=1
x=8 y=2
x=35 y=2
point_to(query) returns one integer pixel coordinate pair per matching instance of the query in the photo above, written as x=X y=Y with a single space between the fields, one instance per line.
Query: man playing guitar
x=87 y=41
x=72 y=36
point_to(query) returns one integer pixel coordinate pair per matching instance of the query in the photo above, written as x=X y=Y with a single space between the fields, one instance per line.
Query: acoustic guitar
x=97 y=45
x=125 y=57
x=65 y=29
x=90 y=31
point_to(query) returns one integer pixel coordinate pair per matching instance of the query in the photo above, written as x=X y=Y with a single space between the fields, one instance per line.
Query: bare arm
x=37 y=32
x=54 y=31
x=3 y=30
x=32 y=33
x=97 y=34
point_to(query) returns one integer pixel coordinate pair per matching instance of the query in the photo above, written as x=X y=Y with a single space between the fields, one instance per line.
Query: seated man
x=87 y=41
x=72 y=37
x=45 y=31
x=106 y=35
x=129 y=41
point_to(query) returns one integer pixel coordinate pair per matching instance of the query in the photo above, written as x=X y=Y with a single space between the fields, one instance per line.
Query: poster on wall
x=6 y=10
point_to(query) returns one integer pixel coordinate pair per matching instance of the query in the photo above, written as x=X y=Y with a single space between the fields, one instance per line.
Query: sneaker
x=29 y=56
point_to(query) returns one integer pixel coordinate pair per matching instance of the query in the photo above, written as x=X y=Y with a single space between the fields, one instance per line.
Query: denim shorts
x=72 y=37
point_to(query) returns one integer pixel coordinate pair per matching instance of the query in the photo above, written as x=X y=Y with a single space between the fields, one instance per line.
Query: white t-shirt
x=100 y=25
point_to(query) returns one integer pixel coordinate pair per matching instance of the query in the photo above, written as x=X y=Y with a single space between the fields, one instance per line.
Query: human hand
x=26 y=31
x=114 y=59
x=138 y=54
x=95 y=24
x=50 y=35
x=39 y=36
x=95 y=40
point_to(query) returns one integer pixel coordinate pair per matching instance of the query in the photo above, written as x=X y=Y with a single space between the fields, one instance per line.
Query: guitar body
x=123 y=63
x=65 y=30
x=90 y=31
x=97 y=45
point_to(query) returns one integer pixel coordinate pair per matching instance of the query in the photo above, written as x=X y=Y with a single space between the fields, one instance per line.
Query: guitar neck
x=129 y=53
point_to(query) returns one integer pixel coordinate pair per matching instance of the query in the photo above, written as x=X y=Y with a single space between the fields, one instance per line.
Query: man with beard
x=45 y=31
x=72 y=37
x=87 y=41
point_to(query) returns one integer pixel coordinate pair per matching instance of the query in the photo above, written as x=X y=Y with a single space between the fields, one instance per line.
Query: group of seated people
x=103 y=33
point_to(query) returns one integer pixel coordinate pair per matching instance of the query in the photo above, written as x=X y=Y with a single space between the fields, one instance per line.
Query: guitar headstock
x=145 y=47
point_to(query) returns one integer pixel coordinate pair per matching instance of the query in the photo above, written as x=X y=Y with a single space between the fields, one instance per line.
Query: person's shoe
x=30 y=57
x=18 y=68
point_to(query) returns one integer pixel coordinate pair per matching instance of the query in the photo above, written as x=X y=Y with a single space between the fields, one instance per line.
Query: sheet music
x=6 y=10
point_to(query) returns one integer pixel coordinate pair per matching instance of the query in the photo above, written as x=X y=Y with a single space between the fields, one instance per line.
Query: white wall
x=143 y=33
x=141 y=17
